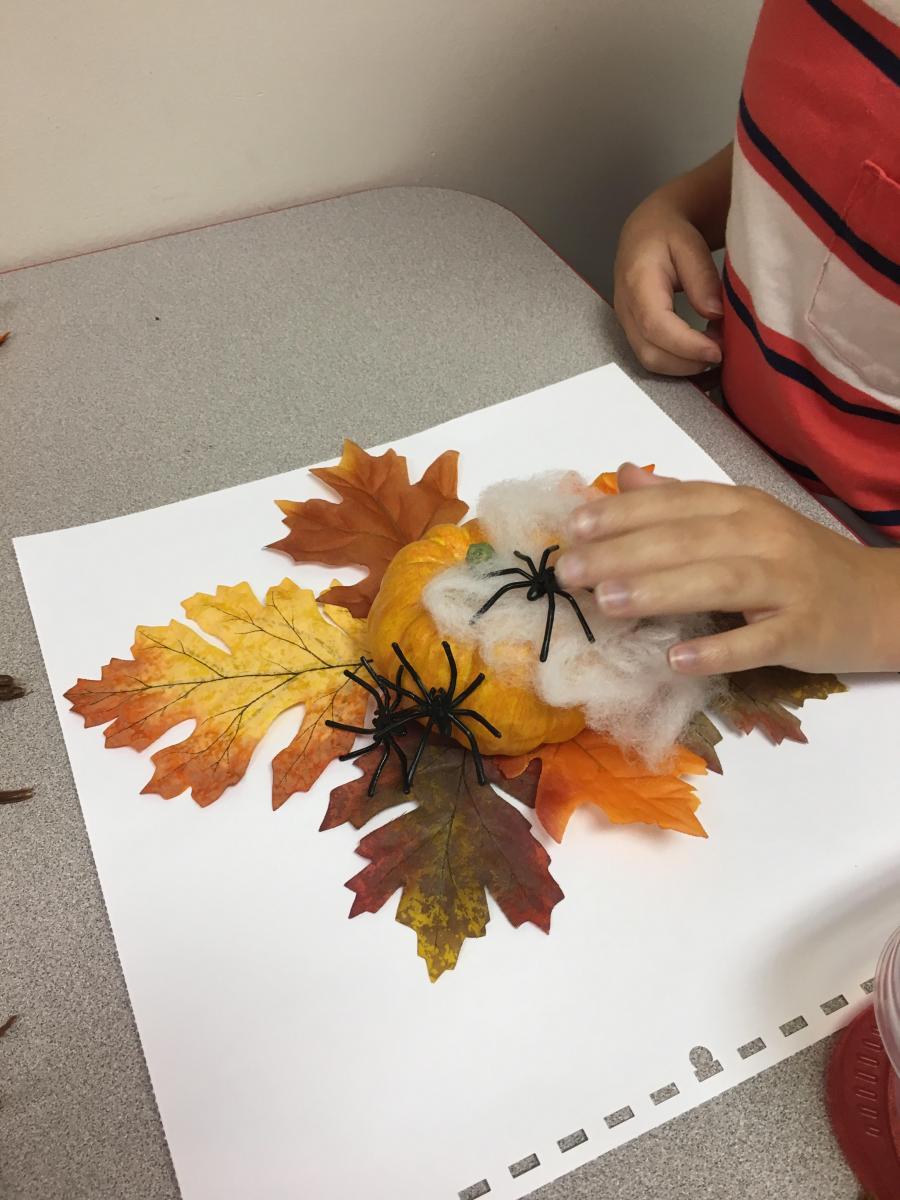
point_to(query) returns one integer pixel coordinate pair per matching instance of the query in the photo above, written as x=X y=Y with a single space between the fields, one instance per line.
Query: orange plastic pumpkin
x=398 y=615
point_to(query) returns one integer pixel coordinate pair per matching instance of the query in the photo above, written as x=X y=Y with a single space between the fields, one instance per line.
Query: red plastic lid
x=863 y=1104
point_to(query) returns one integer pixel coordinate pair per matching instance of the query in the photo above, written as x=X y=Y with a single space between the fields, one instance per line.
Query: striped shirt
x=812 y=268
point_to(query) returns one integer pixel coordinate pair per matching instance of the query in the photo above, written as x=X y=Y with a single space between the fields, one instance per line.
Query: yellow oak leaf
x=284 y=652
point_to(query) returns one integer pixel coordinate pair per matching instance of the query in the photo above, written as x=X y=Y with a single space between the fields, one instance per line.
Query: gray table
x=147 y=374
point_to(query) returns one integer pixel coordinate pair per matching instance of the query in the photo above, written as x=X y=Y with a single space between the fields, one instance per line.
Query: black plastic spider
x=540 y=581
x=385 y=728
x=438 y=707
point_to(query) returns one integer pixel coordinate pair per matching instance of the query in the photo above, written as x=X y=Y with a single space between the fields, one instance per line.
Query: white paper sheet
x=297 y=1053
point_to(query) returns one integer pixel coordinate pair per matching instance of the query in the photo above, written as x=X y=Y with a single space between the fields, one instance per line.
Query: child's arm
x=813 y=600
x=666 y=246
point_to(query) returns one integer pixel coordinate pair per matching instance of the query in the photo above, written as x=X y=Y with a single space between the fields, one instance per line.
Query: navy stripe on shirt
x=878 y=261
x=884 y=517
x=876 y=52
x=796 y=371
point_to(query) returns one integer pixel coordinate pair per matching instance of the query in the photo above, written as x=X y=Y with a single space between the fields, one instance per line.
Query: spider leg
x=349 y=728
x=400 y=719
x=452 y=662
x=389 y=688
x=526 y=559
x=404 y=662
x=404 y=762
x=381 y=683
x=542 y=566
x=376 y=774
x=507 y=587
x=351 y=754
x=414 y=765
x=476 y=716
x=548 y=628
x=362 y=683
x=508 y=571
x=473 y=745
x=588 y=632
x=379 y=768
x=464 y=695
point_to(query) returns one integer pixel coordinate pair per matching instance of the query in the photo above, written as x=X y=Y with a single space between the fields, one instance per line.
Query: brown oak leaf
x=701 y=737
x=756 y=700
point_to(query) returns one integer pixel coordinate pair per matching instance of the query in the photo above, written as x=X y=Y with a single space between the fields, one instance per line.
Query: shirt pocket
x=855 y=308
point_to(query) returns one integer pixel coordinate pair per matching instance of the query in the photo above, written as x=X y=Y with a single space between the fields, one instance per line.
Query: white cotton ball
x=622 y=681
x=530 y=514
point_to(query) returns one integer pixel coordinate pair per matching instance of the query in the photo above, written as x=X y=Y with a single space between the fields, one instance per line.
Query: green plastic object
x=479 y=552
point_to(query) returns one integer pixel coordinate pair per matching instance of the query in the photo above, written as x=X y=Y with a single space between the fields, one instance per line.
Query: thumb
x=631 y=478
x=697 y=274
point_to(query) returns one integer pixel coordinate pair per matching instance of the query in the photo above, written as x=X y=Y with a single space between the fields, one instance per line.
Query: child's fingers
x=653 y=358
x=716 y=585
x=660 y=329
x=677 y=544
x=643 y=507
x=740 y=649
x=697 y=273
x=630 y=478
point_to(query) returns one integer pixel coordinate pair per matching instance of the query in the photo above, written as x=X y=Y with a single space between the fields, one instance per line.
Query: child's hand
x=661 y=252
x=813 y=600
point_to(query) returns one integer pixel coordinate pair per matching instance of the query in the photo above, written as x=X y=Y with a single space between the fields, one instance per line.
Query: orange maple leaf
x=379 y=513
x=608 y=481
x=590 y=769
x=281 y=653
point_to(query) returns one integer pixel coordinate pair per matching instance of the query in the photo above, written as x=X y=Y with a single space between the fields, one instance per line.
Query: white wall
x=121 y=119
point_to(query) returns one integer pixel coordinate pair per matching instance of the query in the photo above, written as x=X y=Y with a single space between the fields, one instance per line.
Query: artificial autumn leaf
x=3 y=337
x=590 y=769
x=350 y=803
x=280 y=653
x=608 y=481
x=701 y=737
x=461 y=840
x=379 y=512
x=756 y=700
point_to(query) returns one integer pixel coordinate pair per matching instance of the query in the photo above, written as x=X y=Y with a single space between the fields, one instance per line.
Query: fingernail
x=612 y=596
x=712 y=354
x=583 y=523
x=571 y=568
x=683 y=658
x=714 y=305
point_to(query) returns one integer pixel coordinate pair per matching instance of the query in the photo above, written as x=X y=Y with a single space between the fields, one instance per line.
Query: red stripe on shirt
x=822 y=102
x=805 y=357
x=853 y=459
x=863 y=215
